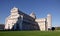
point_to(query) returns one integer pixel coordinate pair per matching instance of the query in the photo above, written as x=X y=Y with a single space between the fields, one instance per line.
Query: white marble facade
x=21 y=21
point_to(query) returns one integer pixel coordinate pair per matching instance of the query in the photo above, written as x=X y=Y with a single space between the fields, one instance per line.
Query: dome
x=49 y=15
x=14 y=9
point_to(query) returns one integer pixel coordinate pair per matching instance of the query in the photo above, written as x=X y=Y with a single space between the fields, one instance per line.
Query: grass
x=29 y=33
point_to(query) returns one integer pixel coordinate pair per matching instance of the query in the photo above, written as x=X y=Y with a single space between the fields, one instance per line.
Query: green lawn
x=29 y=33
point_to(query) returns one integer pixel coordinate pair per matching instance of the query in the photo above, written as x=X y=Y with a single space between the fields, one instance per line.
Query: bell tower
x=14 y=11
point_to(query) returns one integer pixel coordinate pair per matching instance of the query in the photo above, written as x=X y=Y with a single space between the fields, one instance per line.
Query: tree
x=53 y=28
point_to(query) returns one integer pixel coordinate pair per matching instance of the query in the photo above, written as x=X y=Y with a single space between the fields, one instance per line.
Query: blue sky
x=40 y=7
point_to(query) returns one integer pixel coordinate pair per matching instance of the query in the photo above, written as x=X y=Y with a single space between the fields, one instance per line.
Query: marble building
x=17 y=20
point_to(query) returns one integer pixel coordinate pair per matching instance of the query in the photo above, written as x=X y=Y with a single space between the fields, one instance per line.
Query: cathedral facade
x=17 y=20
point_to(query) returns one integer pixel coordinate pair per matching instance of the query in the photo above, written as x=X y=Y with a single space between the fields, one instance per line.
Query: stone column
x=49 y=21
x=21 y=21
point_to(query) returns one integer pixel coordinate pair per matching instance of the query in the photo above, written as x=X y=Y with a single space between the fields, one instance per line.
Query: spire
x=33 y=15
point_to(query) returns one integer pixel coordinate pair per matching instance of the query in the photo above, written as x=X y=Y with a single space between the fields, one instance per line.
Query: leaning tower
x=12 y=19
x=49 y=21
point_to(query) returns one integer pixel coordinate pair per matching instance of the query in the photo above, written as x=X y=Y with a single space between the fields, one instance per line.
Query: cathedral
x=17 y=20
